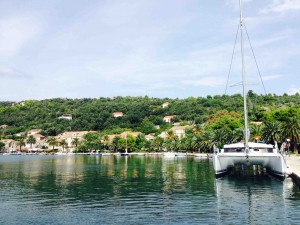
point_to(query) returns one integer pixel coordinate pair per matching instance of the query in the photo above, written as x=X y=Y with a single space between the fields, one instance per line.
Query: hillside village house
x=10 y=145
x=165 y=104
x=163 y=134
x=122 y=135
x=256 y=123
x=126 y=133
x=3 y=126
x=179 y=131
x=112 y=136
x=69 y=137
x=149 y=137
x=21 y=134
x=168 y=119
x=117 y=114
x=41 y=142
x=33 y=131
x=66 y=117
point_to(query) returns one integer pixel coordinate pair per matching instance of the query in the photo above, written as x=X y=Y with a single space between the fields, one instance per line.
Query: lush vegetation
x=215 y=119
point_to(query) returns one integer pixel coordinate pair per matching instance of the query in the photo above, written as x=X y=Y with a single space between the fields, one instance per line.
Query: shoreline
x=293 y=163
x=179 y=154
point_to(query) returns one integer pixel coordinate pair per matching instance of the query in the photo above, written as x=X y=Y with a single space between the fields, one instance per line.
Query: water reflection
x=257 y=199
x=114 y=189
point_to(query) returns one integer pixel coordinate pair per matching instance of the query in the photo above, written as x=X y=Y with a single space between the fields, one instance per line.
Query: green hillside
x=212 y=113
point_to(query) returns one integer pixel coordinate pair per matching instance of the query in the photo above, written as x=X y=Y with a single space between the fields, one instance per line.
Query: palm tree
x=115 y=143
x=157 y=143
x=20 y=143
x=171 y=134
x=256 y=131
x=31 y=140
x=271 y=132
x=105 y=142
x=75 y=142
x=63 y=143
x=52 y=142
x=291 y=130
x=219 y=137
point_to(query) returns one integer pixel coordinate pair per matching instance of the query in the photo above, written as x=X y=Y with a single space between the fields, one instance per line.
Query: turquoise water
x=138 y=190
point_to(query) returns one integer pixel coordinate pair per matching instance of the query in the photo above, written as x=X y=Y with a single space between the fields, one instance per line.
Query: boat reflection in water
x=255 y=198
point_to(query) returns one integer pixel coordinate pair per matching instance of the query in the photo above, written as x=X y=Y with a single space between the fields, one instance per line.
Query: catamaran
x=248 y=153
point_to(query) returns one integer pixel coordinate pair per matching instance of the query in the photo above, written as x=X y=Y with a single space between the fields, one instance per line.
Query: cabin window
x=233 y=149
x=264 y=150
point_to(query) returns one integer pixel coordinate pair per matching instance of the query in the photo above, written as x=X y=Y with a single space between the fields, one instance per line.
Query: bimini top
x=251 y=145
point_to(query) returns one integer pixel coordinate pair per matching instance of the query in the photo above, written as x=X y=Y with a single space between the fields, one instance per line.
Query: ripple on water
x=80 y=190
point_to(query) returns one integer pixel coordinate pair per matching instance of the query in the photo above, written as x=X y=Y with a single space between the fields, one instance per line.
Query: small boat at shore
x=12 y=153
x=169 y=154
x=95 y=153
x=201 y=155
x=106 y=154
x=126 y=148
x=180 y=154
x=61 y=153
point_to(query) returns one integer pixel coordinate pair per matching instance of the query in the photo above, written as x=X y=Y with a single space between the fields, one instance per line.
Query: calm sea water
x=138 y=190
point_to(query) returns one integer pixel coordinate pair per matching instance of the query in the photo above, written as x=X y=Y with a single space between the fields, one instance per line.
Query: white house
x=168 y=119
x=117 y=114
x=179 y=131
x=165 y=104
x=10 y=145
x=3 y=126
x=66 y=117
x=70 y=136
x=33 y=132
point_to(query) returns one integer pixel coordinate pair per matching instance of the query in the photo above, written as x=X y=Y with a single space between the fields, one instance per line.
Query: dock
x=293 y=162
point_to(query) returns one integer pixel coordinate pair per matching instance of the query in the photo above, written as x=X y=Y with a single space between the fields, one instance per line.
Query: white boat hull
x=169 y=154
x=273 y=161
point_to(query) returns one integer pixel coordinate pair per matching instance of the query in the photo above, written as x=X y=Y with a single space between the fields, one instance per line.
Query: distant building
x=133 y=134
x=179 y=131
x=33 y=132
x=40 y=142
x=163 y=134
x=10 y=145
x=69 y=137
x=112 y=136
x=149 y=137
x=117 y=114
x=66 y=117
x=256 y=123
x=21 y=134
x=168 y=119
x=3 y=126
x=165 y=104
x=39 y=137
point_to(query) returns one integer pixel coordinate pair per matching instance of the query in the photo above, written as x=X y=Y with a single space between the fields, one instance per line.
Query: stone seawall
x=293 y=163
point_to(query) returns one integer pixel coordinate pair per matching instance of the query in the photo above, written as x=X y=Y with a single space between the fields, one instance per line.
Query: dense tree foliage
x=216 y=119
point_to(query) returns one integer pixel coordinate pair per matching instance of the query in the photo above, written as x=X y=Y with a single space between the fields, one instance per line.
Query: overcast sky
x=159 y=48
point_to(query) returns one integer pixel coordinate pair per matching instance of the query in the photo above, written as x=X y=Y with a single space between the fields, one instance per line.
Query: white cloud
x=15 y=32
x=282 y=6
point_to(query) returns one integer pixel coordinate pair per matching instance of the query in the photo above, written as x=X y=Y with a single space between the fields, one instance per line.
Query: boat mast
x=244 y=80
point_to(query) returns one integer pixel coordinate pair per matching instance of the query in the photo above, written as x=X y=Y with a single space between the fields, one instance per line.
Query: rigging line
x=255 y=60
x=232 y=58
